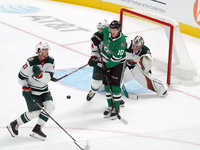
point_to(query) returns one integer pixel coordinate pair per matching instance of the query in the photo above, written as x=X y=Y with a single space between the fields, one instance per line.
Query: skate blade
x=122 y=105
x=36 y=136
x=11 y=131
x=107 y=116
x=113 y=118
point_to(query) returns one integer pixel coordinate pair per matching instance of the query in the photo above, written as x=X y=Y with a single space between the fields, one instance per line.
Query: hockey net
x=162 y=35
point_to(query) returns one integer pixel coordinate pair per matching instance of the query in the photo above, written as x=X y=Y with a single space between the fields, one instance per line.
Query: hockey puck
x=68 y=96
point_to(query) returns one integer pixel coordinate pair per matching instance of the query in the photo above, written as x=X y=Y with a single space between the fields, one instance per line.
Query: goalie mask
x=102 y=23
x=40 y=46
x=137 y=43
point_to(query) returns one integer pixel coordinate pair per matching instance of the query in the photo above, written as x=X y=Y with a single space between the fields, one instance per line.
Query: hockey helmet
x=115 y=25
x=102 y=23
x=40 y=46
x=137 y=42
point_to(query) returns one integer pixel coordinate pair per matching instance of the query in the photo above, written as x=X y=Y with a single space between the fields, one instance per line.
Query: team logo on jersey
x=122 y=44
x=107 y=50
x=96 y=74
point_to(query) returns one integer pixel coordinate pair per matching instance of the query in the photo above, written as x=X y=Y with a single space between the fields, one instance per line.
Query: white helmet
x=40 y=46
x=102 y=23
x=138 y=42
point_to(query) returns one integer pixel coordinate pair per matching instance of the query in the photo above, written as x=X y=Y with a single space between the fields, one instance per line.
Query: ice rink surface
x=153 y=123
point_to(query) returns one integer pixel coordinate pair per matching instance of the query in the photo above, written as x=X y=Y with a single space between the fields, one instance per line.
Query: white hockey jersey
x=27 y=78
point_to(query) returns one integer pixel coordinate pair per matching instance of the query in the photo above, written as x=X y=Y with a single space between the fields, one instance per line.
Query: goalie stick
x=103 y=67
x=57 y=79
x=59 y=126
x=131 y=96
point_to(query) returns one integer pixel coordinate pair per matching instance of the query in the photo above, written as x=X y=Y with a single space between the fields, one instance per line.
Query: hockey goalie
x=139 y=64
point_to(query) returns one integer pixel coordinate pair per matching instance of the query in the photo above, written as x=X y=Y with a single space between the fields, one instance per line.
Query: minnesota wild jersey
x=130 y=54
x=113 y=50
x=27 y=78
x=95 y=51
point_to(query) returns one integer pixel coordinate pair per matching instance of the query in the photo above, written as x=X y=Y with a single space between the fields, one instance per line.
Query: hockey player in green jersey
x=114 y=58
x=34 y=77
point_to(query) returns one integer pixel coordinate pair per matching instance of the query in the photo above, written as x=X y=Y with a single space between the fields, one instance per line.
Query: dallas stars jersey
x=26 y=77
x=113 y=50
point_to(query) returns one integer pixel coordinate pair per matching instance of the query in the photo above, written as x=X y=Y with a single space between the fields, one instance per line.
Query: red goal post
x=177 y=67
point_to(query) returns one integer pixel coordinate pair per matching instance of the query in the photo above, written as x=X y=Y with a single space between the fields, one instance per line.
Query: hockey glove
x=97 y=39
x=26 y=92
x=37 y=72
x=93 y=61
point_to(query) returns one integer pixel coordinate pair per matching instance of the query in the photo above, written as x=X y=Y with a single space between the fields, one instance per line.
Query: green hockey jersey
x=113 y=50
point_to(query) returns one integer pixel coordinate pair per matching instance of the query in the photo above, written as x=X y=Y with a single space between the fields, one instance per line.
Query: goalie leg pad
x=162 y=90
x=149 y=82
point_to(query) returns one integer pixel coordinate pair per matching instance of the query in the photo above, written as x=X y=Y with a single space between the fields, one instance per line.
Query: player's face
x=99 y=29
x=114 y=32
x=135 y=48
x=45 y=53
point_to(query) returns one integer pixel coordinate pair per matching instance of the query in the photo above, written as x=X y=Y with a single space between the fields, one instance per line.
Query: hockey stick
x=57 y=79
x=60 y=126
x=131 y=96
x=104 y=68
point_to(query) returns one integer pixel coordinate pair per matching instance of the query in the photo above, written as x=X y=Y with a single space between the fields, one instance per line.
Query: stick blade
x=133 y=96
x=54 y=79
x=123 y=120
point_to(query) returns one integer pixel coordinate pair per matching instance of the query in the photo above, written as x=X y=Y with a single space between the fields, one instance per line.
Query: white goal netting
x=155 y=30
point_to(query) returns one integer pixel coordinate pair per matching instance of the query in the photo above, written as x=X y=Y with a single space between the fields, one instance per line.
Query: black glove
x=97 y=39
x=93 y=61
x=37 y=72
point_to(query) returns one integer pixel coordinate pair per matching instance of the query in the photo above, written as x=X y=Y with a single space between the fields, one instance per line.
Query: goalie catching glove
x=97 y=39
x=93 y=61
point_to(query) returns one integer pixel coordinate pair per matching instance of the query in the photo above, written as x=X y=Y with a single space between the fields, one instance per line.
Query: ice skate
x=37 y=133
x=107 y=112
x=113 y=114
x=13 y=128
x=122 y=103
x=90 y=95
